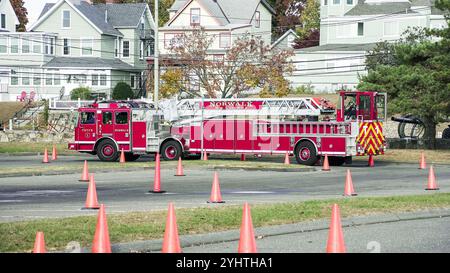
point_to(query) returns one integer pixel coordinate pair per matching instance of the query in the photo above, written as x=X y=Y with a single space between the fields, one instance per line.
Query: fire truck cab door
x=87 y=129
x=122 y=128
x=105 y=124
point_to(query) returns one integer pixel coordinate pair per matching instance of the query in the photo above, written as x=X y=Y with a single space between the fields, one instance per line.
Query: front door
x=122 y=129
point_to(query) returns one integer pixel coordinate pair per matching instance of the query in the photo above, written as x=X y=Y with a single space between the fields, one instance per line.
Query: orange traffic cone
x=171 y=242
x=91 y=197
x=39 y=243
x=422 y=163
x=45 y=160
x=247 y=242
x=122 y=157
x=348 y=190
x=432 y=184
x=54 y=154
x=335 y=243
x=157 y=180
x=326 y=164
x=205 y=156
x=180 y=171
x=286 y=159
x=242 y=157
x=216 y=196
x=85 y=174
x=101 y=242
x=371 y=161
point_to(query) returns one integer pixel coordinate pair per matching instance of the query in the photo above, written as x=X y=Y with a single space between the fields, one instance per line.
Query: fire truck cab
x=106 y=128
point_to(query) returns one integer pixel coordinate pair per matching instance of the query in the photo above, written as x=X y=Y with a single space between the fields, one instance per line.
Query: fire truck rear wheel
x=171 y=150
x=306 y=154
x=107 y=151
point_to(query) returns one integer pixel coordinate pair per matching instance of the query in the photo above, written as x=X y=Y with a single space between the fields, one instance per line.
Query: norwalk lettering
x=230 y=105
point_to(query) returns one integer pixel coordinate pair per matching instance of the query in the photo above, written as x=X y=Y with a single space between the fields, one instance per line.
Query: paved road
x=24 y=198
x=413 y=236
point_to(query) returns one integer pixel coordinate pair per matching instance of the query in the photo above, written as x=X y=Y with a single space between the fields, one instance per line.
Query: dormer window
x=195 y=16
x=66 y=19
x=257 y=19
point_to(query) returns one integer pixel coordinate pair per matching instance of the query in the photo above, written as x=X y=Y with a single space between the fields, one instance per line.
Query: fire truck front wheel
x=306 y=154
x=171 y=150
x=107 y=151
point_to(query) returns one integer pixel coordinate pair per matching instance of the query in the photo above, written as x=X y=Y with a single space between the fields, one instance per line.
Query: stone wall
x=34 y=136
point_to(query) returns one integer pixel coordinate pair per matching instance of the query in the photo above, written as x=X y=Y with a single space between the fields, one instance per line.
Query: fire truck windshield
x=87 y=118
x=350 y=107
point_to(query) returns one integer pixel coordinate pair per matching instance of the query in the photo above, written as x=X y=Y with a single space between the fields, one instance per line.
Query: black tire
x=131 y=157
x=446 y=133
x=306 y=154
x=193 y=156
x=171 y=150
x=336 y=160
x=107 y=151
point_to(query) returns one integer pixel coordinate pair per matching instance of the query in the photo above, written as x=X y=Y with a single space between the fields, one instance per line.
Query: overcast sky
x=34 y=8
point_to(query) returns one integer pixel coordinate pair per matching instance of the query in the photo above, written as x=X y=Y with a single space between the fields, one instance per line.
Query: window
x=14 y=45
x=14 y=77
x=107 y=118
x=195 y=16
x=94 y=79
x=66 y=19
x=56 y=79
x=48 y=78
x=3 y=21
x=126 y=49
x=3 y=45
x=349 y=2
x=26 y=45
x=390 y=28
x=87 y=118
x=49 y=45
x=117 y=48
x=103 y=80
x=336 y=2
x=121 y=117
x=257 y=19
x=37 y=79
x=360 y=29
x=86 y=47
x=141 y=50
x=26 y=76
x=325 y=2
x=224 y=40
x=37 y=45
x=133 y=81
x=66 y=46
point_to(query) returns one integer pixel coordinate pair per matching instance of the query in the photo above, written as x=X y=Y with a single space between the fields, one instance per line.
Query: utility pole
x=156 y=64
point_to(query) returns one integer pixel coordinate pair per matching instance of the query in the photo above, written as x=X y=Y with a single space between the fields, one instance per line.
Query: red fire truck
x=305 y=127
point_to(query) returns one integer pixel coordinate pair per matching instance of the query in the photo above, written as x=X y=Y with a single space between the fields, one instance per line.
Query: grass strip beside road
x=136 y=226
x=33 y=147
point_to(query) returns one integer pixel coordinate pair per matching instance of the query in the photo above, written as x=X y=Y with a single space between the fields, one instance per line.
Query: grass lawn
x=8 y=109
x=412 y=156
x=127 y=227
x=30 y=147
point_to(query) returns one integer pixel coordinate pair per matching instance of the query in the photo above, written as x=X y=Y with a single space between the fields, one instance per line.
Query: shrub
x=82 y=93
x=304 y=89
x=122 y=91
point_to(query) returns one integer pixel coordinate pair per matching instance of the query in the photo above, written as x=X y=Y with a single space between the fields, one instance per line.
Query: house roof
x=363 y=8
x=284 y=36
x=339 y=47
x=123 y=15
x=226 y=11
x=88 y=62
x=119 y=15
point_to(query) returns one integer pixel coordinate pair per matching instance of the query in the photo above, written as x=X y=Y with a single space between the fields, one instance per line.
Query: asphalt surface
x=410 y=236
x=26 y=198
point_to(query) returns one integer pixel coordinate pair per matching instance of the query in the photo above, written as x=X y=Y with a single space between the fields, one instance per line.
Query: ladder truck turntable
x=307 y=128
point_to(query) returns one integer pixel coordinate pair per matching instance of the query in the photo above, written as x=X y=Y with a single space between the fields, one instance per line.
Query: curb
x=261 y=232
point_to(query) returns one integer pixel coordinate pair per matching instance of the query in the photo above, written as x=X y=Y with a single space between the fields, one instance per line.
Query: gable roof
x=284 y=36
x=363 y=8
x=225 y=11
x=125 y=15
x=88 y=62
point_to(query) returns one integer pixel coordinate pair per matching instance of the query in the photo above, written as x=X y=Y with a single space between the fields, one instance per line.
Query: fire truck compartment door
x=122 y=128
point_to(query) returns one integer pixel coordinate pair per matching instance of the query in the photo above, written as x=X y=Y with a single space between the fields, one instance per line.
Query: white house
x=348 y=30
x=8 y=18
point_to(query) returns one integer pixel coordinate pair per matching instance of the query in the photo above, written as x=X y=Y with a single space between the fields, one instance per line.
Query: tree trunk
x=430 y=133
